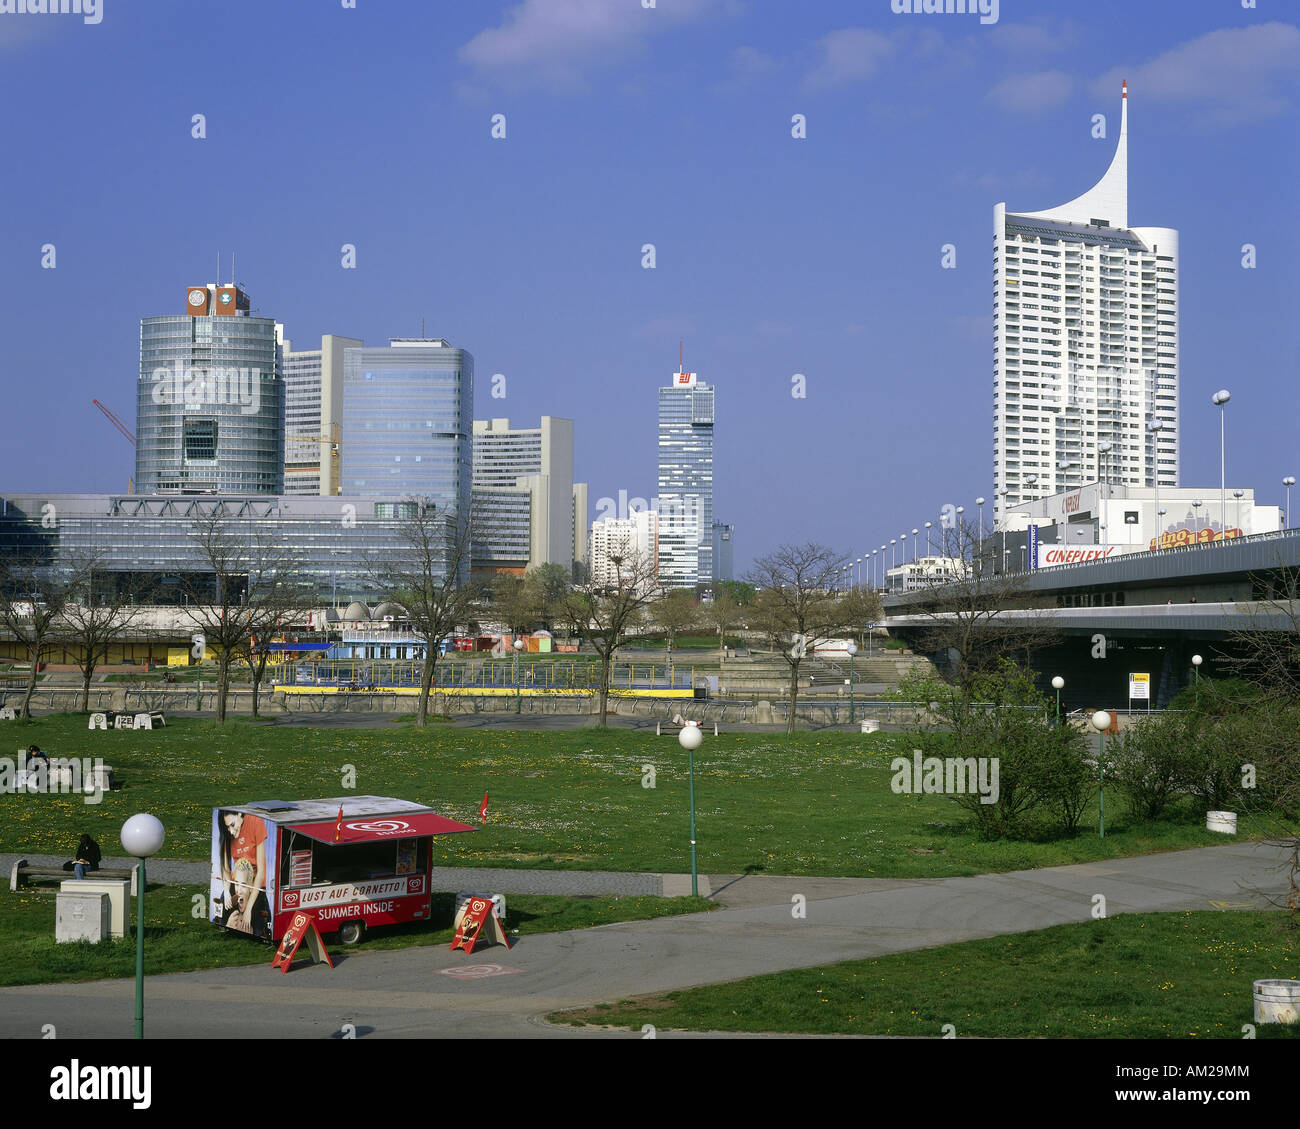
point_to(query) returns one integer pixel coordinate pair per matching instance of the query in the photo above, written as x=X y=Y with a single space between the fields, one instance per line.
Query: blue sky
x=371 y=125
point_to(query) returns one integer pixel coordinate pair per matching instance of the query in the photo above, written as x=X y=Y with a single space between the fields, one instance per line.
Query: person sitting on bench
x=88 y=856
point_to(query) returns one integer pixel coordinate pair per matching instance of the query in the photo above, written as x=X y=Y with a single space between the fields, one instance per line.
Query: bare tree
x=971 y=615
x=33 y=597
x=427 y=575
x=100 y=611
x=723 y=613
x=235 y=595
x=798 y=604
x=273 y=606
x=676 y=613
x=603 y=613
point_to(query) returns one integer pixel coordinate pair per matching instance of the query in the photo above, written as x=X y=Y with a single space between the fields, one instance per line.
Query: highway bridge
x=1144 y=612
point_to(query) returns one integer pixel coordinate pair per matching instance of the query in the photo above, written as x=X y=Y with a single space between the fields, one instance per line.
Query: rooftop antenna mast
x=218 y=268
x=681 y=352
x=232 y=269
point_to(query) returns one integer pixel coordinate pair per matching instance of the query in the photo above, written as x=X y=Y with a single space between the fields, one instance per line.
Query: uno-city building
x=210 y=399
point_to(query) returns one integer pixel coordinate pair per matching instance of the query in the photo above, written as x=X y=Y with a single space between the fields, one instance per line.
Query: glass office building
x=408 y=414
x=685 y=482
x=209 y=399
x=341 y=548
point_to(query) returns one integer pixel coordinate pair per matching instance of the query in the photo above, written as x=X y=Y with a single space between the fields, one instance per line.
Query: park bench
x=668 y=728
x=23 y=870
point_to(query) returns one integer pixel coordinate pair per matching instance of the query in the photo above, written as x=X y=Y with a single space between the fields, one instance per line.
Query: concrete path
x=431 y=992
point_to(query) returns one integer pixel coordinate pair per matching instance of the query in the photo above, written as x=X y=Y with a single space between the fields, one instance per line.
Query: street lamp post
x=1237 y=494
x=1104 y=449
x=1101 y=722
x=875 y=572
x=1160 y=527
x=1197 y=503
x=980 y=502
x=853 y=650
x=1156 y=428
x=914 y=533
x=1057 y=684
x=929 y=551
x=1196 y=674
x=1221 y=397
x=892 y=542
x=142 y=836
x=519 y=645
x=689 y=739
x=1288 y=482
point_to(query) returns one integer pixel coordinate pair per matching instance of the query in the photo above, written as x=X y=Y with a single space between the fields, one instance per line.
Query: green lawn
x=177 y=941
x=816 y=803
x=1135 y=976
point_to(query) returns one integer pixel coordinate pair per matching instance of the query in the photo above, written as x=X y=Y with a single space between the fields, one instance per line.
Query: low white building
x=634 y=536
x=924 y=572
x=1112 y=519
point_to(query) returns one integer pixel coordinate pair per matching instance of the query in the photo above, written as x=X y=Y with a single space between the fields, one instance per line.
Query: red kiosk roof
x=369 y=829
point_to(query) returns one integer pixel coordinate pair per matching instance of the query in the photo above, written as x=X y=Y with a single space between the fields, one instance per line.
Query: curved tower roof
x=1107 y=199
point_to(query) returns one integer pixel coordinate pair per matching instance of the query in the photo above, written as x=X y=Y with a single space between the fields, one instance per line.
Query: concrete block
x=82 y=917
x=119 y=898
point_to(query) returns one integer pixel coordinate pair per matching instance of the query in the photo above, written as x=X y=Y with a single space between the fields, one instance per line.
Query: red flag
x=482 y=811
x=338 y=827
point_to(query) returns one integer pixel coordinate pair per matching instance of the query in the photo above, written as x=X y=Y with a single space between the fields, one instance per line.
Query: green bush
x=1154 y=762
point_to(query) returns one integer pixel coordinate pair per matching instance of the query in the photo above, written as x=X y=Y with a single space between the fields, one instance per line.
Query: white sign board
x=1139 y=686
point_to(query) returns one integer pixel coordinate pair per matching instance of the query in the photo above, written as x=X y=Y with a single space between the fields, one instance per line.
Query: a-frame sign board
x=476 y=913
x=303 y=927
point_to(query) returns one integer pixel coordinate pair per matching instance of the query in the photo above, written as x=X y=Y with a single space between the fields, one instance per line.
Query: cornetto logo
x=290 y=900
x=387 y=826
x=415 y=885
x=1071 y=503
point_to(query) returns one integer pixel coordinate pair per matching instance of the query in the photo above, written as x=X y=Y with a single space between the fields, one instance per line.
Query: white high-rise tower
x=1085 y=344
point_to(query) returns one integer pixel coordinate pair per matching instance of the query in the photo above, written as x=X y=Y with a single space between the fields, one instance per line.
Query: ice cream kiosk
x=352 y=862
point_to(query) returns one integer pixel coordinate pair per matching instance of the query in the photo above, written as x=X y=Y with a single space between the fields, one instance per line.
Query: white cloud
x=555 y=41
x=1035 y=38
x=852 y=54
x=1240 y=74
x=1032 y=93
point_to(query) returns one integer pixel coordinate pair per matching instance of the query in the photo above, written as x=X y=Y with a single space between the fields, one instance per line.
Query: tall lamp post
x=875 y=572
x=519 y=646
x=1221 y=397
x=690 y=738
x=1237 y=494
x=1156 y=428
x=980 y=502
x=1288 y=482
x=853 y=650
x=914 y=533
x=892 y=542
x=1197 y=503
x=929 y=551
x=1196 y=675
x=142 y=836
x=1101 y=722
x=1104 y=449
x=1058 y=684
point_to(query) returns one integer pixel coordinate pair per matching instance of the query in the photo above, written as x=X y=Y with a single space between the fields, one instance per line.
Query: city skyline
x=820 y=162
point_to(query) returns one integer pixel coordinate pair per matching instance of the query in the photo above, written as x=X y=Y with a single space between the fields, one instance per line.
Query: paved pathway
x=434 y=992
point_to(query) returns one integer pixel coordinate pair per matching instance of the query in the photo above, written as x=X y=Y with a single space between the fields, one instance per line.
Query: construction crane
x=297 y=442
x=112 y=418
